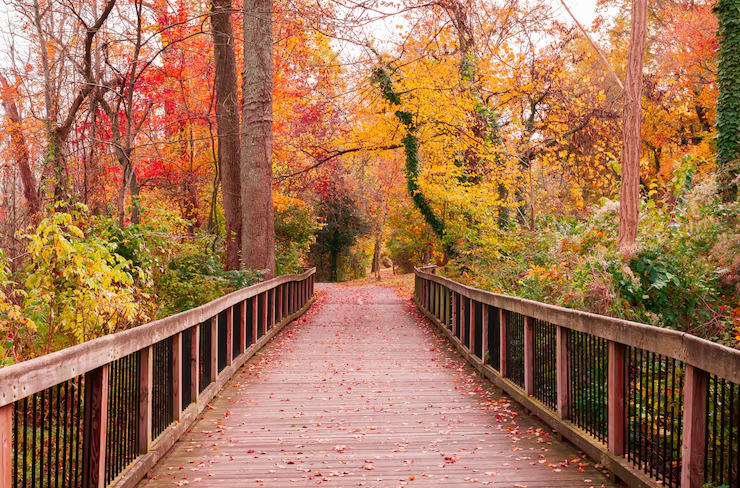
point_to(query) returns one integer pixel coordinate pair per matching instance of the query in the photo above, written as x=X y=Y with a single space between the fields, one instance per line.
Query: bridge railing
x=104 y=412
x=655 y=406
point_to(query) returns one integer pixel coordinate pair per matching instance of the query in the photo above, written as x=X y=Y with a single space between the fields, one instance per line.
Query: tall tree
x=20 y=147
x=728 y=104
x=227 y=120
x=258 y=225
x=629 y=193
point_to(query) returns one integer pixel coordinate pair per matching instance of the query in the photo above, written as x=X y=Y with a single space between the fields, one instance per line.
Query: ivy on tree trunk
x=411 y=148
x=728 y=103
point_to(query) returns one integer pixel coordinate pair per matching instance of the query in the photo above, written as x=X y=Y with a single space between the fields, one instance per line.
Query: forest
x=152 y=149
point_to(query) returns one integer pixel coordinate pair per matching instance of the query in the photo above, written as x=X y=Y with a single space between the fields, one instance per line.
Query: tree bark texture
x=629 y=194
x=258 y=226
x=227 y=120
x=20 y=148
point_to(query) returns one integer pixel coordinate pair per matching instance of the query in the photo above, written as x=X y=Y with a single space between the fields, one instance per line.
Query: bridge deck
x=362 y=391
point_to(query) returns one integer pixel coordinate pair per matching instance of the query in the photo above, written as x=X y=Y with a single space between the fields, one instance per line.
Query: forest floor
x=364 y=391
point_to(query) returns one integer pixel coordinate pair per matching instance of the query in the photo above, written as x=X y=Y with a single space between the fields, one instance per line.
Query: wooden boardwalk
x=362 y=391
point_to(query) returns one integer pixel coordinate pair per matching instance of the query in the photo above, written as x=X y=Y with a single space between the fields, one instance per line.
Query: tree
x=728 y=106
x=629 y=193
x=258 y=226
x=227 y=120
x=20 y=147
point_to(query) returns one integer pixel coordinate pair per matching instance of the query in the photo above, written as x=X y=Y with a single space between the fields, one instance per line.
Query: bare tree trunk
x=20 y=149
x=227 y=119
x=258 y=225
x=629 y=194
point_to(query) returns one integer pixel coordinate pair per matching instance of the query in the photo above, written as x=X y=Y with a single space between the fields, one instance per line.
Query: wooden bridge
x=269 y=386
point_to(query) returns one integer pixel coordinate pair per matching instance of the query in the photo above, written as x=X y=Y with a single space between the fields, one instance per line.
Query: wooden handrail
x=688 y=385
x=69 y=390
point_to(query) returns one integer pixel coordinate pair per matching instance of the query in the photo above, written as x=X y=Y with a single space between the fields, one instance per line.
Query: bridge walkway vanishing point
x=364 y=391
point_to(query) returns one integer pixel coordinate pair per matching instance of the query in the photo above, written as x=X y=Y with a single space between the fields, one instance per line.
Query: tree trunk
x=227 y=120
x=629 y=194
x=20 y=149
x=728 y=103
x=258 y=225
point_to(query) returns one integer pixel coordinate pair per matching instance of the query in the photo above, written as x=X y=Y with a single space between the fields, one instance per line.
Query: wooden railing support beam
x=484 y=332
x=696 y=389
x=617 y=409
x=528 y=357
x=177 y=385
x=146 y=380
x=214 y=350
x=94 y=436
x=6 y=446
x=503 y=343
x=563 y=371
x=229 y=335
x=195 y=363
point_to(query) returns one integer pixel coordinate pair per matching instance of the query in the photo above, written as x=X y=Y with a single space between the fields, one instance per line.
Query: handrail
x=117 y=403
x=600 y=380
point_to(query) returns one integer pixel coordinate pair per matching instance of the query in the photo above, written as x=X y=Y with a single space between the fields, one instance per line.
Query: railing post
x=229 y=335
x=503 y=343
x=6 y=446
x=96 y=419
x=177 y=385
x=146 y=380
x=279 y=291
x=272 y=308
x=484 y=332
x=528 y=357
x=463 y=313
x=214 y=350
x=195 y=362
x=617 y=409
x=264 y=313
x=562 y=365
x=471 y=332
x=696 y=392
x=454 y=313
x=255 y=318
x=243 y=326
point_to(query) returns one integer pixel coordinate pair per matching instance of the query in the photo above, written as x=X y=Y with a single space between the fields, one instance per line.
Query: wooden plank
x=146 y=382
x=143 y=464
x=528 y=356
x=695 y=393
x=96 y=419
x=177 y=385
x=6 y=446
x=706 y=355
x=562 y=365
x=229 y=336
x=194 y=362
x=28 y=377
x=503 y=343
x=617 y=409
x=214 y=350
x=399 y=419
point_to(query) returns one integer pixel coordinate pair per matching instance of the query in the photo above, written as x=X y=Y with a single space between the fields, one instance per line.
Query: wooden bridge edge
x=162 y=445
x=615 y=464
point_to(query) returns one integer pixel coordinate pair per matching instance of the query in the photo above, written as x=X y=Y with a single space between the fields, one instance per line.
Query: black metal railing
x=656 y=405
x=92 y=415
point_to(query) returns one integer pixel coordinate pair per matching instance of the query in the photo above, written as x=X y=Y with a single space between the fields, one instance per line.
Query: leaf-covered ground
x=362 y=391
